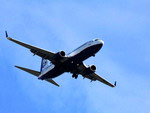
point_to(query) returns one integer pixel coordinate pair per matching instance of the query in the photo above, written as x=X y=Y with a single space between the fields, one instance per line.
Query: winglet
x=115 y=83
x=6 y=34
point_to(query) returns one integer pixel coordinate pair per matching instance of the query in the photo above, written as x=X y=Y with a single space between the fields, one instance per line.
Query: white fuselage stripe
x=83 y=47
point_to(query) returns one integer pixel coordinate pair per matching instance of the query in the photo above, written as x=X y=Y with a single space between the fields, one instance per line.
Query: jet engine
x=58 y=56
x=61 y=54
x=90 y=69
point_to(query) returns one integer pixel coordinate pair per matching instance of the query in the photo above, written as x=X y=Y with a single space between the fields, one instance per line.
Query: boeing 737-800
x=62 y=62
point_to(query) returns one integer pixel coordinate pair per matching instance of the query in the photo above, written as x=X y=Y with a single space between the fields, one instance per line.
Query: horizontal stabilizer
x=36 y=73
x=53 y=82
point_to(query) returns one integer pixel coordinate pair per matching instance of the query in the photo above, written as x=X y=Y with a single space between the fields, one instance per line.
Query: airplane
x=55 y=64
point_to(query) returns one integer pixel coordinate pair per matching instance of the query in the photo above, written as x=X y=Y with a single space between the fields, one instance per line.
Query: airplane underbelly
x=52 y=73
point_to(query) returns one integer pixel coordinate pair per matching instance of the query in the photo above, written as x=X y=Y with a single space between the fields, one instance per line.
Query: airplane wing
x=93 y=76
x=97 y=77
x=36 y=73
x=35 y=50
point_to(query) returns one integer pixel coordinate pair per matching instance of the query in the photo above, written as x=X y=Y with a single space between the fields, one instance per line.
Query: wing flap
x=93 y=76
x=103 y=80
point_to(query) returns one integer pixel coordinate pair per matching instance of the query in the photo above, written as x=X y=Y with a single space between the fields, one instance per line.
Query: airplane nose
x=102 y=42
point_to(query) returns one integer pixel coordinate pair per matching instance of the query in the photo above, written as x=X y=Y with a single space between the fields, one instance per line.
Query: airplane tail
x=36 y=73
x=44 y=64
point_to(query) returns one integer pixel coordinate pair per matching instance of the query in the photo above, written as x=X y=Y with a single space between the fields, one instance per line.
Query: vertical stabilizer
x=44 y=64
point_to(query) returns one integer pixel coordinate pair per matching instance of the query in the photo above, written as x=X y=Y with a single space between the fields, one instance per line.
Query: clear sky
x=124 y=26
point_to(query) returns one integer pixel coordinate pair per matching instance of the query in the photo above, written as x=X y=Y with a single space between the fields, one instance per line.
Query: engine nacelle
x=58 y=56
x=93 y=68
x=61 y=54
x=90 y=69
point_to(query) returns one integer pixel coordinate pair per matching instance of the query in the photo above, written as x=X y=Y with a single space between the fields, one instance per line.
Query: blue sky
x=64 y=25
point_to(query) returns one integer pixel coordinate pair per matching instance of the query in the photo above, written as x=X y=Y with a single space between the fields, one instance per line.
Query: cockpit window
x=96 y=39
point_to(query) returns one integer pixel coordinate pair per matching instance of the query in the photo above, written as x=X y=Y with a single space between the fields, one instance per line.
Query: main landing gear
x=75 y=76
x=93 y=55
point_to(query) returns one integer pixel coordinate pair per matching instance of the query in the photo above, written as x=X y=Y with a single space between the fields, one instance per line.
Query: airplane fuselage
x=75 y=58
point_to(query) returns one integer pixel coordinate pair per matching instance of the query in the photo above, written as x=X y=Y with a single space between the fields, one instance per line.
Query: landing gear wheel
x=75 y=76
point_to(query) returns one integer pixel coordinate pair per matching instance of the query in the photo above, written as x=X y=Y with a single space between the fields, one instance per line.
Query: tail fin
x=44 y=64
